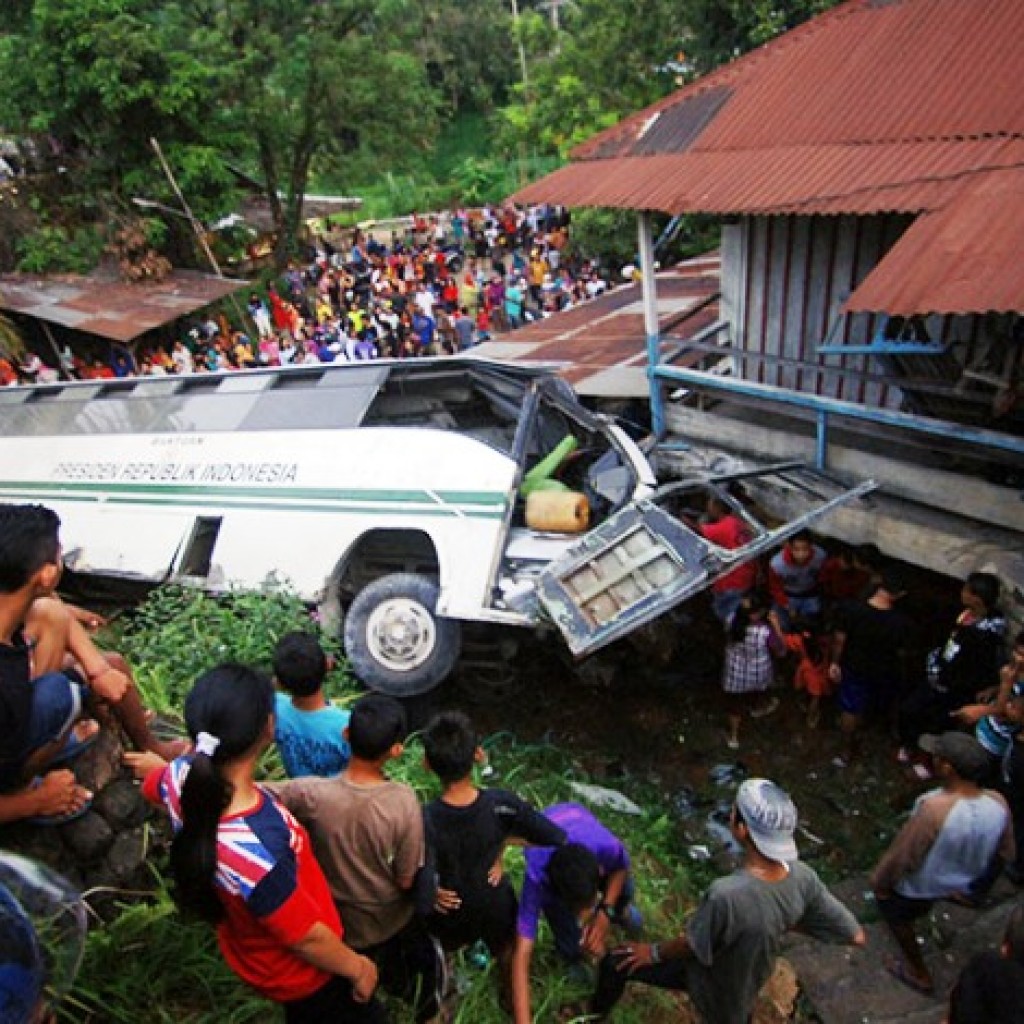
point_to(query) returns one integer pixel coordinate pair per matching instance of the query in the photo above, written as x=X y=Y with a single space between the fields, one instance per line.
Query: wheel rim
x=401 y=634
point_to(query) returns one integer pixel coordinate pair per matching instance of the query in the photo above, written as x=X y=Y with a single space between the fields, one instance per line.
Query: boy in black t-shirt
x=464 y=893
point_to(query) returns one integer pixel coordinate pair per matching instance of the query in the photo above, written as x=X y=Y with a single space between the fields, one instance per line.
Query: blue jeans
x=724 y=604
x=56 y=704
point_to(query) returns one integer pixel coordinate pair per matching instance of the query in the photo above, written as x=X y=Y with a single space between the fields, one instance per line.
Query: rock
x=852 y=986
x=88 y=838
x=122 y=804
x=127 y=854
x=777 y=1000
x=101 y=763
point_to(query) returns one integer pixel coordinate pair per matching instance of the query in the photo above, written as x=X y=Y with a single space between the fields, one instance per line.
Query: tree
x=720 y=30
x=98 y=78
x=283 y=87
x=609 y=60
x=467 y=49
x=612 y=59
x=319 y=85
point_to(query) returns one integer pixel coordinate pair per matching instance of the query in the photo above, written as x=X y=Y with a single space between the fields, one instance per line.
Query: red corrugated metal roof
x=868 y=71
x=107 y=306
x=600 y=346
x=962 y=258
x=826 y=179
x=876 y=106
x=867 y=108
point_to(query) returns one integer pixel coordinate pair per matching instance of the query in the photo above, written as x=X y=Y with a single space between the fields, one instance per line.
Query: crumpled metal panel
x=106 y=306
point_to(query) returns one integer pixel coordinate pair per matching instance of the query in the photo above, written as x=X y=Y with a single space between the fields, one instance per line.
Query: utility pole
x=197 y=228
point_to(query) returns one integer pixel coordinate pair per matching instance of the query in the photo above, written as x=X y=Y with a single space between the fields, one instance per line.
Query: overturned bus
x=392 y=494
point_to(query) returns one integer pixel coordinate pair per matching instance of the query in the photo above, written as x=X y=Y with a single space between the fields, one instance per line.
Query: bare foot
x=58 y=793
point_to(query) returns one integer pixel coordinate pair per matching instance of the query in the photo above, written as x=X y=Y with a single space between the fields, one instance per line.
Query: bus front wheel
x=394 y=639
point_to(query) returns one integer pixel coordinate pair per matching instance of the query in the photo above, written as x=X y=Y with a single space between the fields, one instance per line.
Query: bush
x=51 y=249
x=179 y=633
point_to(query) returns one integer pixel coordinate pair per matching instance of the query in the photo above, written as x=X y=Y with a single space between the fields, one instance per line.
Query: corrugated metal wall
x=784 y=280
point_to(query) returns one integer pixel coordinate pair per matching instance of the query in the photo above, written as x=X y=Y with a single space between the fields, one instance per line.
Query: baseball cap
x=966 y=755
x=770 y=816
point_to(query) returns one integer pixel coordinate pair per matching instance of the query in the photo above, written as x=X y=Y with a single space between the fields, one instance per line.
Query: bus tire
x=394 y=639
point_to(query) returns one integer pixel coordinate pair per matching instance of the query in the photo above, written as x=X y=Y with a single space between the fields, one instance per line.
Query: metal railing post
x=649 y=292
x=821 y=441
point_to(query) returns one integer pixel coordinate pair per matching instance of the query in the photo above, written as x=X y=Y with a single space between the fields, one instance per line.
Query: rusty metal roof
x=106 y=306
x=826 y=179
x=868 y=71
x=869 y=107
x=877 y=106
x=956 y=258
x=600 y=346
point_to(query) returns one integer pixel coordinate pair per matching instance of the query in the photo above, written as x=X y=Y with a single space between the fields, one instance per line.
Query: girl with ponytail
x=240 y=861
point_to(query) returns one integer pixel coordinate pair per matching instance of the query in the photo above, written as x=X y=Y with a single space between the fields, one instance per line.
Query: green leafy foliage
x=178 y=633
x=52 y=249
x=719 y=30
x=147 y=963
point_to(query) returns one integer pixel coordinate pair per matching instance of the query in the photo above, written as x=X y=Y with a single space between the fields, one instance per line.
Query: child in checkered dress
x=751 y=643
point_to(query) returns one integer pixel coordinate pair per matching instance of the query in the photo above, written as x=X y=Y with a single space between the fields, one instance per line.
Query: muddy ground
x=651 y=709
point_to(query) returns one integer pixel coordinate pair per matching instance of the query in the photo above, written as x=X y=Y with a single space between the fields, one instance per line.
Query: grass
x=148 y=962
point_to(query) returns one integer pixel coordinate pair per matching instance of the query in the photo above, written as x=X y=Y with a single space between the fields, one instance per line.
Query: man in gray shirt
x=728 y=950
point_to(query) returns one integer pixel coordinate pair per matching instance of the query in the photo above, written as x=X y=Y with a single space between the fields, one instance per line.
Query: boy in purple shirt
x=580 y=888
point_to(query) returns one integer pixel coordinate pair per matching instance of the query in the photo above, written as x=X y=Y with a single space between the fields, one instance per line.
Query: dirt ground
x=651 y=709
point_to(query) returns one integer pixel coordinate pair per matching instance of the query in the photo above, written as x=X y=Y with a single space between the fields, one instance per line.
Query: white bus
x=389 y=493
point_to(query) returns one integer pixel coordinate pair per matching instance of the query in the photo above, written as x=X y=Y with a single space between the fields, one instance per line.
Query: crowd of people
x=337 y=883
x=447 y=283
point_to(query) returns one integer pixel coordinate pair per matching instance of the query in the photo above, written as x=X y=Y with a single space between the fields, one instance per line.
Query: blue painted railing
x=824 y=410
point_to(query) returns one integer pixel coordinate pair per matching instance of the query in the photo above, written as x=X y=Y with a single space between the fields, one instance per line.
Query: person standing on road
x=728 y=949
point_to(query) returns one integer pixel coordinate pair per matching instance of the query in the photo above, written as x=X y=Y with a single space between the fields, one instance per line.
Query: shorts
x=897 y=909
x=724 y=603
x=854 y=694
x=492 y=921
x=57 y=703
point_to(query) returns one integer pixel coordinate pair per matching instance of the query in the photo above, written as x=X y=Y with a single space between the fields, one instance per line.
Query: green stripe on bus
x=307 y=493
x=286 y=505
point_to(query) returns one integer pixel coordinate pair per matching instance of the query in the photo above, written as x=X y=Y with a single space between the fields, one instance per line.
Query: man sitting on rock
x=728 y=950
x=41 y=700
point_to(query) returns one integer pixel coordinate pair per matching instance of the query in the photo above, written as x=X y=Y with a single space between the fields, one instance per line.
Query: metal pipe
x=821 y=441
x=974 y=436
x=649 y=295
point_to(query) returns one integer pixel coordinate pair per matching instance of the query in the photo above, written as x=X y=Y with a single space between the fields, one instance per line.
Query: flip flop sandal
x=73 y=746
x=50 y=820
x=898 y=969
